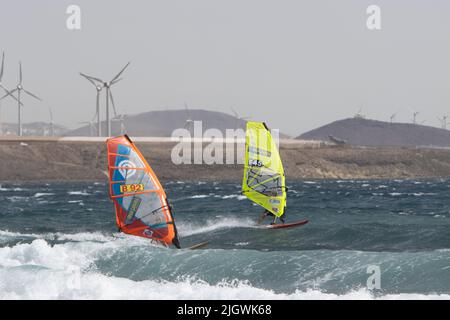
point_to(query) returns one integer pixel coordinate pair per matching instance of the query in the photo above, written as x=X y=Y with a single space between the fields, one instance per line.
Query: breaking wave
x=189 y=229
x=67 y=271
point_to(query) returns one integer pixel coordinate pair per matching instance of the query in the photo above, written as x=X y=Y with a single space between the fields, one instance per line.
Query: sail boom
x=133 y=194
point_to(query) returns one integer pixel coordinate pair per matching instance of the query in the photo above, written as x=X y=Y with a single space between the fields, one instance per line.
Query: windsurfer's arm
x=262 y=217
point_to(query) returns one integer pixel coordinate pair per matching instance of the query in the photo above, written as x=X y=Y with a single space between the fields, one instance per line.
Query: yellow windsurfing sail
x=263 y=181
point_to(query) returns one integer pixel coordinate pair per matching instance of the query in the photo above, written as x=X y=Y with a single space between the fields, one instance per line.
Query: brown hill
x=162 y=123
x=365 y=132
x=86 y=161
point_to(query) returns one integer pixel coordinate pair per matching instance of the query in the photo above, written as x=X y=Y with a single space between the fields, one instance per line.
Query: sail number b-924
x=135 y=187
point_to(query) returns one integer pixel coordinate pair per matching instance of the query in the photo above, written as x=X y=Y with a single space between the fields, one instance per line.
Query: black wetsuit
x=268 y=213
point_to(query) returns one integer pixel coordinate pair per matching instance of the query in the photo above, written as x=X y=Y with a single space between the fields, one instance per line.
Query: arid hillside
x=366 y=132
x=43 y=160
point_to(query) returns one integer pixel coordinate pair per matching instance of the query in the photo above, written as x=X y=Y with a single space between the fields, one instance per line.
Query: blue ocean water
x=59 y=241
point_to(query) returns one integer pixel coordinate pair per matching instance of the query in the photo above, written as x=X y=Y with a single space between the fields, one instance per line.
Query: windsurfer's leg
x=274 y=221
x=282 y=217
x=262 y=217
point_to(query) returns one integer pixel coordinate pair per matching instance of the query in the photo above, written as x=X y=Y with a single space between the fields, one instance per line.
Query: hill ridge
x=376 y=133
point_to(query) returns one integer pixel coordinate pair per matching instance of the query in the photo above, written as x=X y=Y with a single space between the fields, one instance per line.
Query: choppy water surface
x=60 y=241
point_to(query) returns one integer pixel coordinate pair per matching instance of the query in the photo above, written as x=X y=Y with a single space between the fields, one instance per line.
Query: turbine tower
x=52 y=127
x=415 y=113
x=19 y=88
x=443 y=121
x=8 y=93
x=189 y=122
x=107 y=86
x=392 y=118
x=98 y=88
x=121 y=119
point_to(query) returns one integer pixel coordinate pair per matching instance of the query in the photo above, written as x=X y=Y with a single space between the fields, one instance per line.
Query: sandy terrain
x=72 y=159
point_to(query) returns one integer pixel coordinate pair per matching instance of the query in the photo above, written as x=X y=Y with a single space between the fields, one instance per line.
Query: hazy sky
x=294 y=64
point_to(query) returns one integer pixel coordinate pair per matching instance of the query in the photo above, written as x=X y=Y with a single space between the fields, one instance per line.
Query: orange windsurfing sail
x=141 y=204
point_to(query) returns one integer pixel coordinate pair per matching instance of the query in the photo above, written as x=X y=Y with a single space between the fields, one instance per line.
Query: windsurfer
x=267 y=213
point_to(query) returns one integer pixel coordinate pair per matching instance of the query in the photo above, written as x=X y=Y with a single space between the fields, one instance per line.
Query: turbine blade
x=89 y=79
x=3 y=65
x=235 y=113
x=121 y=71
x=20 y=72
x=187 y=111
x=92 y=78
x=112 y=102
x=115 y=81
x=9 y=93
x=31 y=94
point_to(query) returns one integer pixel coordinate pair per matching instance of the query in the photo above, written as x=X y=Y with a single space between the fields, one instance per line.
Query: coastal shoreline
x=59 y=160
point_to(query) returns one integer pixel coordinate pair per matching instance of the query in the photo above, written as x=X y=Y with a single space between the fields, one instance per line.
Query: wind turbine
x=443 y=121
x=121 y=118
x=19 y=88
x=52 y=127
x=91 y=126
x=109 y=96
x=392 y=118
x=8 y=93
x=237 y=118
x=98 y=88
x=189 y=122
x=415 y=113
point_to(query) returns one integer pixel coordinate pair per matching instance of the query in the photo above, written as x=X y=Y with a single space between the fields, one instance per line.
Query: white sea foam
x=10 y=189
x=232 y=196
x=16 y=198
x=188 y=229
x=74 y=284
x=82 y=236
x=78 y=193
x=38 y=270
x=43 y=194
x=200 y=196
